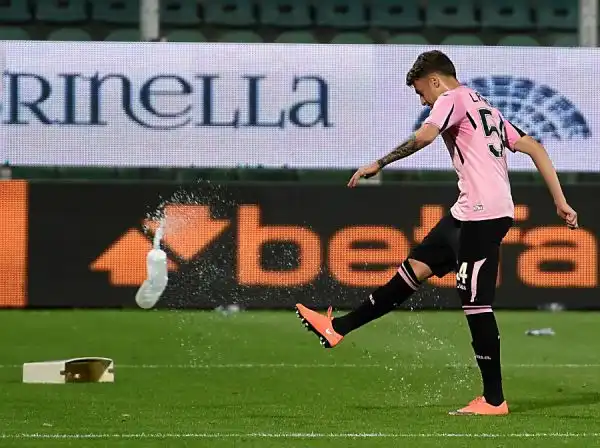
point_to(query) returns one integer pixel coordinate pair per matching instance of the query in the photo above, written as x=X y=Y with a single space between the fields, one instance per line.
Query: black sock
x=383 y=300
x=486 y=344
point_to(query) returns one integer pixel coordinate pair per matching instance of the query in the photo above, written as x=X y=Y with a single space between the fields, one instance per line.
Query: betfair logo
x=359 y=256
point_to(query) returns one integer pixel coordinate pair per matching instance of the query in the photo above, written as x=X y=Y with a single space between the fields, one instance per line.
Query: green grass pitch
x=259 y=379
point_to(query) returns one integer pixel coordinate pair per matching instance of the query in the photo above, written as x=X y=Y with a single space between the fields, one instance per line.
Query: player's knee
x=411 y=277
x=399 y=288
x=421 y=270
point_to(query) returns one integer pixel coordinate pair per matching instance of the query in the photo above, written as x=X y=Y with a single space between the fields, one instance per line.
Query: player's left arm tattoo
x=405 y=149
x=418 y=140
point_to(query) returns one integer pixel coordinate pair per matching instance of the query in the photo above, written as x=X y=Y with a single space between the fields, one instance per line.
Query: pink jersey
x=477 y=136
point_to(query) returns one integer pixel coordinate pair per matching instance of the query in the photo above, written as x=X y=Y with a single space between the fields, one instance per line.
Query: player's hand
x=568 y=214
x=364 y=171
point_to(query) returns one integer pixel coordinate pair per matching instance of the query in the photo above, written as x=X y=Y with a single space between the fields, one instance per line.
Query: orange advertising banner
x=270 y=245
x=13 y=239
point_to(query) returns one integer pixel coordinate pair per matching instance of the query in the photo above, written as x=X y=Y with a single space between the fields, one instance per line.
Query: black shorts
x=472 y=249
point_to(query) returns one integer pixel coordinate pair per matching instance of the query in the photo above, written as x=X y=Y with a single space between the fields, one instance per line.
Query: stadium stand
x=56 y=12
x=179 y=13
x=296 y=37
x=462 y=39
x=229 y=13
x=452 y=14
x=507 y=15
x=396 y=14
x=381 y=21
x=15 y=12
x=122 y=12
x=69 y=34
x=286 y=13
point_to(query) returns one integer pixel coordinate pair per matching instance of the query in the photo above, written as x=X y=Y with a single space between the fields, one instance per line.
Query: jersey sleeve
x=446 y=112
x=513 y=133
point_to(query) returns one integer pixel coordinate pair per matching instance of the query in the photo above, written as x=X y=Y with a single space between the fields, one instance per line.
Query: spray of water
x=191 y=287
x=186 y=291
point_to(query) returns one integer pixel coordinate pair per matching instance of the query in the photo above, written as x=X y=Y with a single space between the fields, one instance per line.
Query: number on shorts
x=461 y=275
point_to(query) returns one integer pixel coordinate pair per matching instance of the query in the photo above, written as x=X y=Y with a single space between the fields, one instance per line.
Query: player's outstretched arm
x=418 y=140
x=538 y=154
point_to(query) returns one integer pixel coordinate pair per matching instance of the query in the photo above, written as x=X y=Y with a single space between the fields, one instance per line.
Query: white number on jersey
x=461 y=275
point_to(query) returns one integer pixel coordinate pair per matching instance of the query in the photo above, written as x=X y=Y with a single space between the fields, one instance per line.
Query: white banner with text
x=274 y=105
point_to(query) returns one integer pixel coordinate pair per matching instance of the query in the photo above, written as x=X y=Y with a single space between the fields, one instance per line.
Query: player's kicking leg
x=478 y=258
x=434 y=255
x=384 y=299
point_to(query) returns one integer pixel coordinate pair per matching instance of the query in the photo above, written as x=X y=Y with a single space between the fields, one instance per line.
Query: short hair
x=430 y=62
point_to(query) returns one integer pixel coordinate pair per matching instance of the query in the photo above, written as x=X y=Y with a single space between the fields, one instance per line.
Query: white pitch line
x=336 y=366
x=323 y=366
x=300 y=435
x=560 y=366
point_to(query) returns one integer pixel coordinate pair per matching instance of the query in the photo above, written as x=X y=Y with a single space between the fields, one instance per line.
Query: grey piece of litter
x=540 y=332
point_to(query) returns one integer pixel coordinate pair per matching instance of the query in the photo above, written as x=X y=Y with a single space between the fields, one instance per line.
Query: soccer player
x=467 y=240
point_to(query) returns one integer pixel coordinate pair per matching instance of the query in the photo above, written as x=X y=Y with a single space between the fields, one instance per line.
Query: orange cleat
x=480 y=407
x=319 y=325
